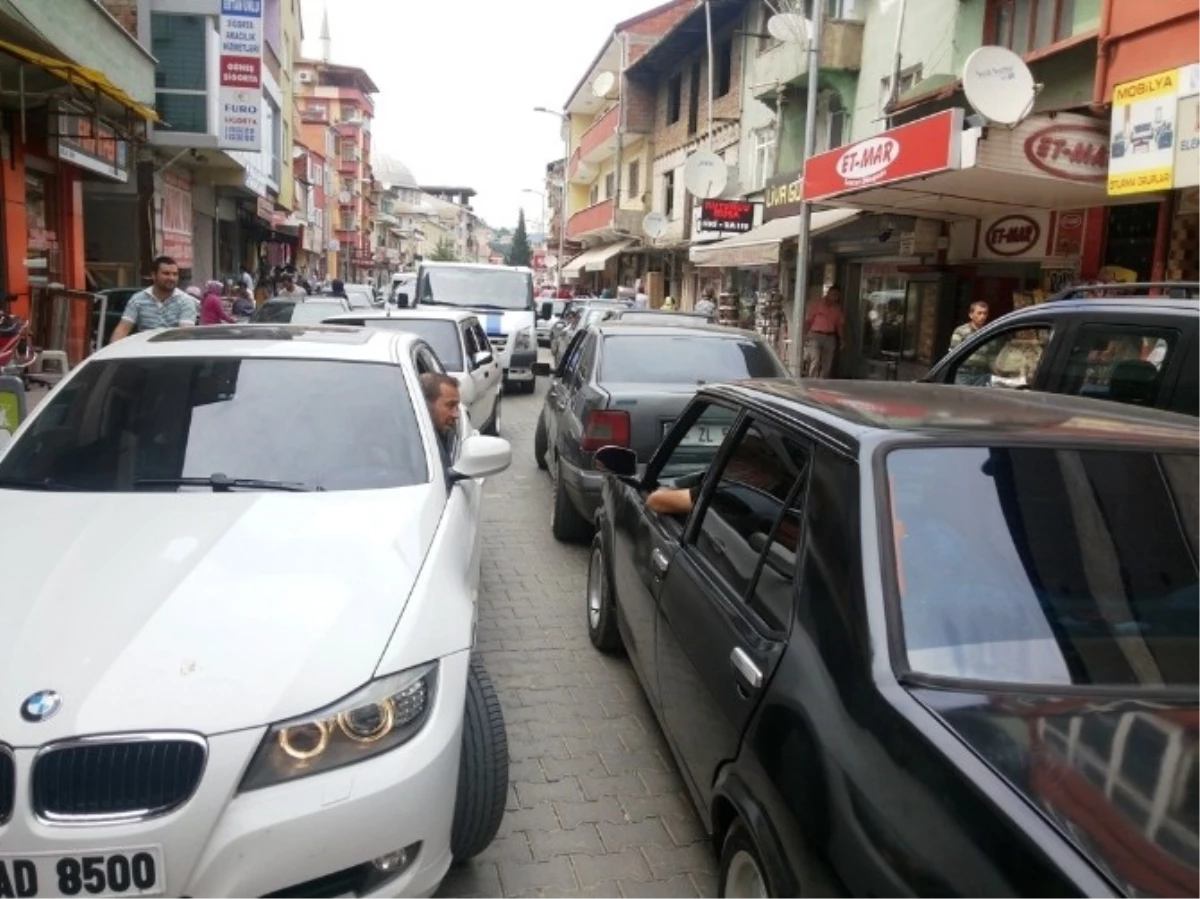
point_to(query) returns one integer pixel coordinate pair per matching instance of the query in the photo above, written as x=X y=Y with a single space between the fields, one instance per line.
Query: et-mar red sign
x=924 y=147
x=726 y=216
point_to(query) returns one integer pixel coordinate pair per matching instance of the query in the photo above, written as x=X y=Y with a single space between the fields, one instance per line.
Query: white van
x=502 y=296
x=402 y=283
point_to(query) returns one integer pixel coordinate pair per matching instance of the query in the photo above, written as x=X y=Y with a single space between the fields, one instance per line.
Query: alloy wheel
x=595 y=588
x=744 y=878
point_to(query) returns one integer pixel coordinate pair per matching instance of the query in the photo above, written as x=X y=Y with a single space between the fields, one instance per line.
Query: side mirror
x=547 y=311
x=483 y=357
x=481 y=457
x=402 y=300
x=619 y=460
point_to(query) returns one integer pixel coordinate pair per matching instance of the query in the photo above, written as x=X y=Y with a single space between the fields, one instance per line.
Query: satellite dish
x=789 y=28
x=998 y=85
x=705 y=174
x=603 y=86
x=655 y=225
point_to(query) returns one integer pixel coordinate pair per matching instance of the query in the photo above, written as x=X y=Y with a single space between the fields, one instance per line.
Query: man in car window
x=441 y=395
x=162 y=305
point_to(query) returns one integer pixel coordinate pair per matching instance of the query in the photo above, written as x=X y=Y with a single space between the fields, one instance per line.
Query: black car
x=306 y=311
x=1139 y=348
x=625 y=385
x=918 y=640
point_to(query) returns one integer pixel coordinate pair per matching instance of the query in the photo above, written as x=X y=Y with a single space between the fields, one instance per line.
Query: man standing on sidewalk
x=162 y=305
x=824 y=334
x=976 y=319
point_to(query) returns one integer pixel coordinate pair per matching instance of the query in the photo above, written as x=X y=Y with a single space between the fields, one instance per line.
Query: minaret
x=326 y=40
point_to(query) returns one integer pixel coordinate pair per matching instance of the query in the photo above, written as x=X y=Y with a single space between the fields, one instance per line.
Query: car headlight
x=524 y=339
x=381 y=716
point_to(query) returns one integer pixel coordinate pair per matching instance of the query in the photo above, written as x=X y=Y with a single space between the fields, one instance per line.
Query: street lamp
x=562 y=211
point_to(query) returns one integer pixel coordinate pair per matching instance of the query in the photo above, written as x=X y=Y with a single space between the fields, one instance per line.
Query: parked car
x=458 y=339
x=659 y=317
x=307 y=311
x=625 y=385
x=915 y=639
x=273 y=691
x=575 y=318
x=549 y=314
x=1133 y=349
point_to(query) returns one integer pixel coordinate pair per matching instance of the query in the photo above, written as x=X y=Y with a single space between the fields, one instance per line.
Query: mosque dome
x=391 y=171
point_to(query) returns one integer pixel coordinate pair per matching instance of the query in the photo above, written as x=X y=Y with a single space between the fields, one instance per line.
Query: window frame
x=1176 y=335
x=674 y=98
x=202 y=93
x=723 y=80
x=910 y=76
x=1042 y=378
x=633 y=179
x=766 y=144
x=669 y=194
x=992 y=26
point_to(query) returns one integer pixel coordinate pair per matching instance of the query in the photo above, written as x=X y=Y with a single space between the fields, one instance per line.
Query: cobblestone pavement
x=596 y=806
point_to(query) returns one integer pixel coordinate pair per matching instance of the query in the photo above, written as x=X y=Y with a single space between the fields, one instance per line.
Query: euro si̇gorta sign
x=240 y=99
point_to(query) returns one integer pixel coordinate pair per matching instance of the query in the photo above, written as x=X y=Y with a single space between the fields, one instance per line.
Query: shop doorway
x=1131 y=238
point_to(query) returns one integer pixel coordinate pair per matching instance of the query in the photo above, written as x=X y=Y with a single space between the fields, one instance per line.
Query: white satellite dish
x=603 y=86
x=655 y=225
x=789 y=28
x=705 y=174
x=998 y=85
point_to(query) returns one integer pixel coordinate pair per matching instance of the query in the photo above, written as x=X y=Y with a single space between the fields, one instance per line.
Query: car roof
x=265 y=341
x=699 y=329
x=444 y=313
x=868 y=412
x=1148 y=305
x=479 y=265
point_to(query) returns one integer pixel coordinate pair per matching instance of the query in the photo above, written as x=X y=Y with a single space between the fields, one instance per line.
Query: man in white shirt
x=288 y=289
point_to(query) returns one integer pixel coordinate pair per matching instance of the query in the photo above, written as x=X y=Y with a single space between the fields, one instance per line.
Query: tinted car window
x=1045 y=566
x=334 y=425
x=1121 y=363
x=1008 y=359
x=685 y=359
x=276 y=312
x=753 y=517
x=692 y=452
x=313 y=312
x=441 y=335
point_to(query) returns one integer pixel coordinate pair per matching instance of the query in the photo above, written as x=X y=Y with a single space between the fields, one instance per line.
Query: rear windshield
x=274 y=313
x=439 y=334
x=685 y=359
x=1047 y=566
x=490 y=287
x=129 y=424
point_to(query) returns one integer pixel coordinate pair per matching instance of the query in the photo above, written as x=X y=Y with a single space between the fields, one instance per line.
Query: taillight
x=604 y=428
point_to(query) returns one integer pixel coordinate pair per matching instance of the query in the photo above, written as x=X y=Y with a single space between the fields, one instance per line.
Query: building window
x=273 y=131
x=610 y=185
x=674 y=98
x=908 y=78
x=669 y=194
x=724 y=68
x=181 y=77
x=634 y=181
x=764 y=157
x=694 y=99
x=1027 y=25
x=833 y=122
x=594 y=195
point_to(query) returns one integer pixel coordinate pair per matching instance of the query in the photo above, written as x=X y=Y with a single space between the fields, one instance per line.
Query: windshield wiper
x=222 y=483
x=34 y=484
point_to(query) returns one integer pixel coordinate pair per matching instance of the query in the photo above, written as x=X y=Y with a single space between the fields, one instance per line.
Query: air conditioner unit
x=305 y=77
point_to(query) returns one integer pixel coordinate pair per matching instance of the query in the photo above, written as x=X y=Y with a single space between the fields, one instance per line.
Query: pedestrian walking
x=824 y=334
x=976 y=318
x=162 y=305
x=243 y=303
x=212 y=308
x=288 y=288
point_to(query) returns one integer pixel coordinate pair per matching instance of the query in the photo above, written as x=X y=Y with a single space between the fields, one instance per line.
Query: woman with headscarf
x=212 y=307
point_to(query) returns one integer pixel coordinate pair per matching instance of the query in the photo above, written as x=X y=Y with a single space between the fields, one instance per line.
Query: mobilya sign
x=241 y=102
x=1145 y=140
x=783 y=195
x=726 y=216
x=924 y=147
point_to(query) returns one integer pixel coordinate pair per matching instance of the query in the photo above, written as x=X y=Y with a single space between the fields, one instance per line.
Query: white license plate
x=124 y=872
x=702 y=435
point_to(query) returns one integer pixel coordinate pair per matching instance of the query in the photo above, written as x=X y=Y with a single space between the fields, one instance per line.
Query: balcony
x=787 y=64
x=591 y=220
x=596 y=144
x=348 y=166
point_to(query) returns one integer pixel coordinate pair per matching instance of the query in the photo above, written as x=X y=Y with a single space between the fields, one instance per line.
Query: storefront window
x=883 y=310
x=41 y=216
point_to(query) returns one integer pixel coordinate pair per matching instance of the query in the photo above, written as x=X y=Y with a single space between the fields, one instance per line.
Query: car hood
x=205 y=612
x=1118 y=778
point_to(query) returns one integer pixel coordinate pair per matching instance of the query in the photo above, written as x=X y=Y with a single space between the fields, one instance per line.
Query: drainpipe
x=1099 y=101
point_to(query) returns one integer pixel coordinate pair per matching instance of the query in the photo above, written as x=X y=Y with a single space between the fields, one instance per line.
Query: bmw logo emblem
x=41 y=706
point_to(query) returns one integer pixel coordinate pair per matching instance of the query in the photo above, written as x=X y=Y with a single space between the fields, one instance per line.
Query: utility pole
x=810 y=145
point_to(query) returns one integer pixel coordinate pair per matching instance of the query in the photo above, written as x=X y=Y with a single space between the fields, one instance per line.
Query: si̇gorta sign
x=1147 y=140
x=241 y=100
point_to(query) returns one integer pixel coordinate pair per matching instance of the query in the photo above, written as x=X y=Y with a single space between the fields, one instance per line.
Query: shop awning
x=594 y=260
x=761 y=246
x=81 y=76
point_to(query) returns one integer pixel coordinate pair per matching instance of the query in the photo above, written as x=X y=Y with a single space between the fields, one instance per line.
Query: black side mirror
x=619 y=460
x=547 y=311
x=402 y=300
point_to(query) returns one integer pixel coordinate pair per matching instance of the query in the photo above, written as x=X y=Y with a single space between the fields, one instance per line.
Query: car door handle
x=659 y=560
x=750 y=673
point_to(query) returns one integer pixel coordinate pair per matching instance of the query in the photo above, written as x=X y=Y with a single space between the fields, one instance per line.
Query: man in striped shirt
x=162 y=305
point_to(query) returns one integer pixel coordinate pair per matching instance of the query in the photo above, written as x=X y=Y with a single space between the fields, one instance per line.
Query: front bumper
x=521 y=365
x=222 y=843
x=584 y=488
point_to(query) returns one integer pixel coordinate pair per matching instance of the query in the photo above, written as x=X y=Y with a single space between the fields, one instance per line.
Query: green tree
x=520 y=253
x=444 y=252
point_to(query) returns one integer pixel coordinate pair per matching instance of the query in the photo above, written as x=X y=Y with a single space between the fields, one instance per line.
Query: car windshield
x=313 y=312
x=440 y=334
x=124 y=424
x=685 y=359
x=274 y=312
x=483 y=288
x=1047 y=566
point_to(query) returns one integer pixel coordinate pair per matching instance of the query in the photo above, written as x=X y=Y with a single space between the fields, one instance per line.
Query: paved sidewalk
x=596 y=806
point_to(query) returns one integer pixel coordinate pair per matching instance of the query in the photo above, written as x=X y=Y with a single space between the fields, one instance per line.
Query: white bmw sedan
x=237 y=619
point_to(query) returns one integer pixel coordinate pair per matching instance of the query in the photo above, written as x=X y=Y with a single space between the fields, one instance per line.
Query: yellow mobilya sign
x=1163 y=84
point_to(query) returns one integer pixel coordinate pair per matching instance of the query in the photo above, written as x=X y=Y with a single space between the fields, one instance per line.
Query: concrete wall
x=755 y=114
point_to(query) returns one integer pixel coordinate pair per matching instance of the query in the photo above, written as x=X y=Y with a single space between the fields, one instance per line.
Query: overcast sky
x=458 y=80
